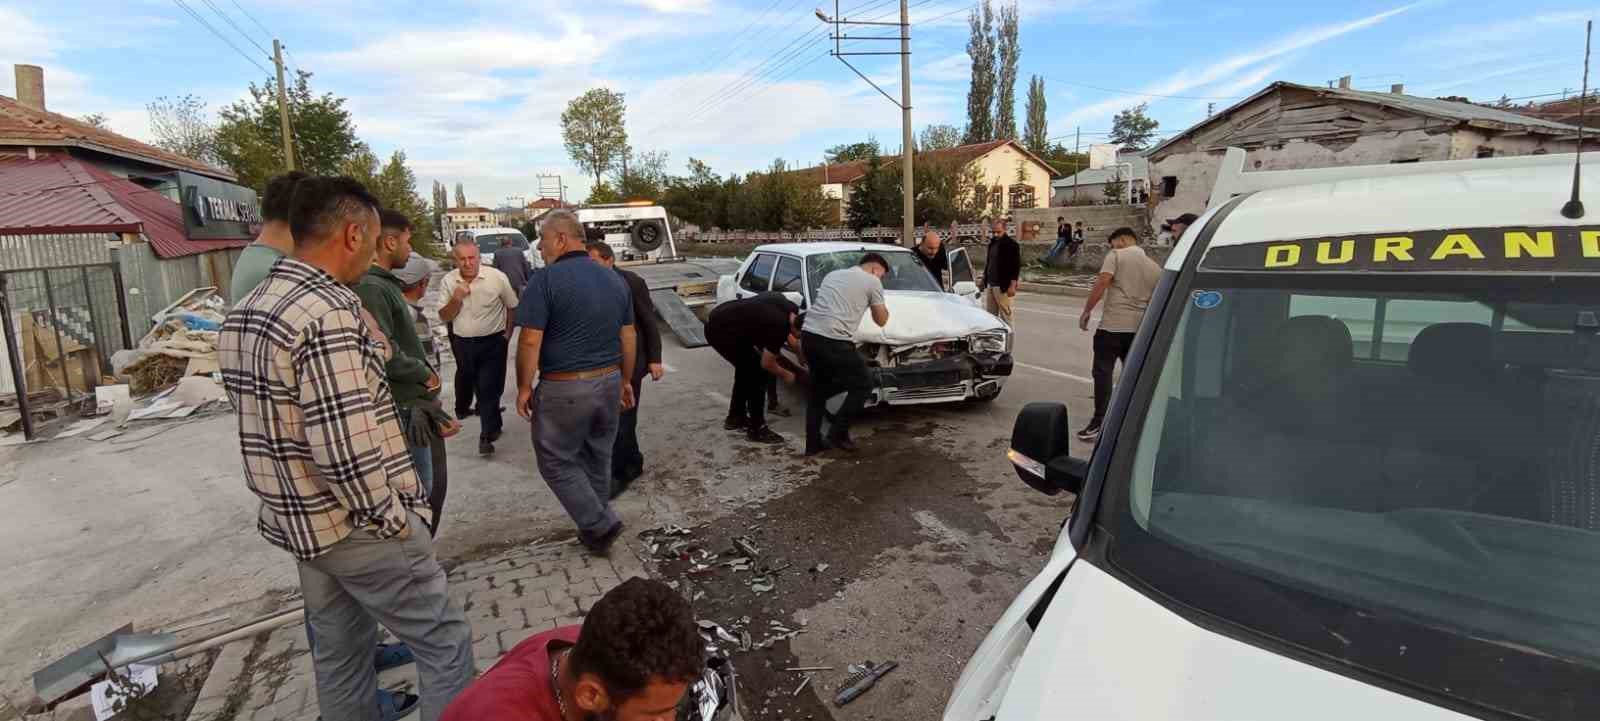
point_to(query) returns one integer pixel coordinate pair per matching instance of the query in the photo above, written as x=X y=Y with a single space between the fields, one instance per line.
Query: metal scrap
x=747 y=546
x=803 y=684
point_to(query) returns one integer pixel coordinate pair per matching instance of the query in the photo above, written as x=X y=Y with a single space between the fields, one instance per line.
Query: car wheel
x=648 y=235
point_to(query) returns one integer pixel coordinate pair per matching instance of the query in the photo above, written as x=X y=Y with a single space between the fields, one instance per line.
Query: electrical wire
x=253 y=18
x=235 y=26
x=219 y=35
x=753 y=77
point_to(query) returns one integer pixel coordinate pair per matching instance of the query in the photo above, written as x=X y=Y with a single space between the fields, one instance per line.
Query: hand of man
x=525 y=402
x=461 y=291
x=1011 y=292
x=627 y=395
x=405 y=533
x=657 y=371
x=1083 y=321
x=432 y=384
x=450 y=428
x=787 y=376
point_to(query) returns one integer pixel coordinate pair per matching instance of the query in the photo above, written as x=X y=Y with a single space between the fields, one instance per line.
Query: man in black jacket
x=509 y=259
x=627 y=461
x=931 y=254
x=1001 y=272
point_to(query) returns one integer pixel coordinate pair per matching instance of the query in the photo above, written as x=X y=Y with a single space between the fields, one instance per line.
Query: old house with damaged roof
x=1289 y=126
x=98 y=233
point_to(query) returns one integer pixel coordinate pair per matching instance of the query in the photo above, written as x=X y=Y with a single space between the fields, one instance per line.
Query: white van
x=490 y=240
x=635 y=231
x=1351 y=470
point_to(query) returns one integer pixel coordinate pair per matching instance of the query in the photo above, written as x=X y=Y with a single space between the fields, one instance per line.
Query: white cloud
x=675 y=6
x=23 y=40
x=1505 y=72
x=1504 y=33
x=1226 y=69
x=480 y=50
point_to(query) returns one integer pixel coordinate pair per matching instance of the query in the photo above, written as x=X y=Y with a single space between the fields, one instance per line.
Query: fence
x=64 y=307
x=153 y=283
x=963 y=233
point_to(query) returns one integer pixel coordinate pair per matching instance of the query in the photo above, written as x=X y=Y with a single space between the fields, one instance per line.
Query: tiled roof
x=57 y=193
x=469 y=209
x=851 y=171
x=23 y=126
x=546 y=204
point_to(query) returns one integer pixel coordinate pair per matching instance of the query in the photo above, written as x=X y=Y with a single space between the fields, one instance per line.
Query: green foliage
x=646 y=178
x=592 y=128
x=1132 y=128
x=1008 y=51
x=939 y=137
x=250 y=144
x=1115 y=188
x=530 y=230
x=1065 y=162
x=944 y=194
x=1036 y=132
x=396 y=188
x=602 y=192
x=875 y=198
x=851 y=151
x=695 y=198
x=180 y=126
x=980 y=94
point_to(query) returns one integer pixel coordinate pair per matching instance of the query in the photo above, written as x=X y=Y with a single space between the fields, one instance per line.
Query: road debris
x=862 y=681
x=803 y=684
x=803 y=669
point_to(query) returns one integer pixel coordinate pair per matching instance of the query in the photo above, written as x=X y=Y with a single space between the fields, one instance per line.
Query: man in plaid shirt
x=323 y=450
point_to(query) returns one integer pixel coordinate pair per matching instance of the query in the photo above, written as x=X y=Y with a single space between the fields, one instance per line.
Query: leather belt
x=590 y=374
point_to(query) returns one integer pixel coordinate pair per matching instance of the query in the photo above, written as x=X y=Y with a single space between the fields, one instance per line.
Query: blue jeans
x=421 y=459
x=574 y=428
x=1061 y=244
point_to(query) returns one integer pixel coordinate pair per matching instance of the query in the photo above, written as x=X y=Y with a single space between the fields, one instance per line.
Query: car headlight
x=991 y=342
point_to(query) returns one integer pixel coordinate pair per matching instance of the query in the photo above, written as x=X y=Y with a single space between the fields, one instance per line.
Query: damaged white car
x=938 y=346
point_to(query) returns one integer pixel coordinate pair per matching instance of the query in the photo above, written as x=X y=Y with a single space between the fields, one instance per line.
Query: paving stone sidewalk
x=507 y=597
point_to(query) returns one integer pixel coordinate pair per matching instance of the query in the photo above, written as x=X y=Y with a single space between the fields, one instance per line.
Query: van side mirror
x=1039 y=447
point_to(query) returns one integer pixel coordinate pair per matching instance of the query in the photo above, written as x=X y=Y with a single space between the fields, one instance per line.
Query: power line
x=219 y=35
x=752 y=77
x=940 y=17
x=235 y=26
x=253 y=18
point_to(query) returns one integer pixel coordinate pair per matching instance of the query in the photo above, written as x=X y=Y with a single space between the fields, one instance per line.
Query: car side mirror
x=1039 y=447
x=965 y=287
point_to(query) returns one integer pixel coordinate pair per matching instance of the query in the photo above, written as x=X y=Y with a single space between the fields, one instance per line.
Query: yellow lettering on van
x=1541 y=244
x=1397 y=247
x=1591 y=243
x=1282 y=255
x=1457 y=244
x=1347 y=252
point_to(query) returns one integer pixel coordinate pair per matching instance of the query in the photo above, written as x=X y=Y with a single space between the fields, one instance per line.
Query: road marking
x=1051 y=371
x=1044 y=312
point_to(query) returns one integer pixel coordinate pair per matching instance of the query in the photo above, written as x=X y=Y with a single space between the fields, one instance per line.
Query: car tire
x=648 y=235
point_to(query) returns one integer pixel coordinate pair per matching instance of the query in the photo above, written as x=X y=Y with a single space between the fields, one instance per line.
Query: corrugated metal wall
x=153 y=283
x=55 y=250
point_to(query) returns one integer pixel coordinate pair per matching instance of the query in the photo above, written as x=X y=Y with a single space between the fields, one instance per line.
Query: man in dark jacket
x=627 y=461
x=1002 y=272
x=510 y=260
x=931 y=254
x=411 y=380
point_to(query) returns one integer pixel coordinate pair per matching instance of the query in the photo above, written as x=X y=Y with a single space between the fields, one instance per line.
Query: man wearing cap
x=414 y=278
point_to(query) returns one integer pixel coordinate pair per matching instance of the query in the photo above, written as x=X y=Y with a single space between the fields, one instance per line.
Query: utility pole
x=283 y=107
x=908 y=210
x=1077 y=137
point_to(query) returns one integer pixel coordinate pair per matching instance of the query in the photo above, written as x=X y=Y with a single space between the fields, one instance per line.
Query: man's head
x=1080 y=225
x=1182 y=223
x=334 y=222
x=931 y=243
x=394 y=240
x=468 y=261
x=999 y=227
x=280 y=192
x=507 y=240
x=1062 y=219
x=414 y=277
x=875 y=264
x=637 y=654
x=1123 y=237
x=561 y=233
x=602 y=253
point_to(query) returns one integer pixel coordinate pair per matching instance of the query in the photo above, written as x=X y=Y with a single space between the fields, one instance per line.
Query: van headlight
x=992 y=342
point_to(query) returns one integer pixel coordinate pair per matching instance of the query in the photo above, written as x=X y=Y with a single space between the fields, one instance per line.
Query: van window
x=1399 y=476
x=489 y=243
x=757 y=278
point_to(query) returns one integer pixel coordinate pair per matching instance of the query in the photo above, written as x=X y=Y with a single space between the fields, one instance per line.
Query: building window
x=1485 y=151
x=1406 y=160
x=996 y=200
x=1022 y=196
x=1169 y=186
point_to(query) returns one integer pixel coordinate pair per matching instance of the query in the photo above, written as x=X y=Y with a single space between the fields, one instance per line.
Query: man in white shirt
x=478 y=300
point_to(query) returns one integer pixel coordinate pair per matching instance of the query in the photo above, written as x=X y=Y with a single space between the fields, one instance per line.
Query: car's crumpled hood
x=922 y=317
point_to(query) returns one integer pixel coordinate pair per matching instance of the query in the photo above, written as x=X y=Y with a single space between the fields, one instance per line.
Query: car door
x=786 y=279
x=963 y=280
x=757 y=277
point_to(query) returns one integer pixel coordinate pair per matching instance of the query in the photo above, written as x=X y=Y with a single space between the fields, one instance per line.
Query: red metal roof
x=57 y=193
x=21 y=125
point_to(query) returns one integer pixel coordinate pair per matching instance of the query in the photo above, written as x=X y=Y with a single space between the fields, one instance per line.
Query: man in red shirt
x=633 y=659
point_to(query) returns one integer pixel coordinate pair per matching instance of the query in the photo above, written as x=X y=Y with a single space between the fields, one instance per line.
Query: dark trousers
x=441 y=483
x=464 y=382
x=749 y=403
x=627 y=461
x=484 y=362
x=836 y=367
x=1109 y=347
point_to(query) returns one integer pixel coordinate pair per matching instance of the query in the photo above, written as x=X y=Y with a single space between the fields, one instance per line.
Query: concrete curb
x=1054 y=289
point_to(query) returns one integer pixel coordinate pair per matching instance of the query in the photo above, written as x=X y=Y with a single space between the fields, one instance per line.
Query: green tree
x=1008 y=51
x=592 y=128
x=875 y=199
x=1132 y=129
x=1115 y=188
x=646 y=178
x=980 y=93
x=696 y=197
x=1036 y=131
x=1064 y=162
x=180 y=126
x=395 y=186
x=461 y=196
x=249 y=142
x=602 y=192
x=846 y=152
x=938 y=137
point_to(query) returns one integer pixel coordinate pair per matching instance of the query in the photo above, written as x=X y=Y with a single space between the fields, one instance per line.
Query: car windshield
x=905 y=273
x=1404 y=481
x=488 y=244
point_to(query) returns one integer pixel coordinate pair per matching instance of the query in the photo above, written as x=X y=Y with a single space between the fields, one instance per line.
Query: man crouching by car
x=828 y=341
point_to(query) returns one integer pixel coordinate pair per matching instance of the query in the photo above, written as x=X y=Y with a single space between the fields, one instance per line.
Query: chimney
x=30 y=86
x=1344 y=83
x=1398 y=89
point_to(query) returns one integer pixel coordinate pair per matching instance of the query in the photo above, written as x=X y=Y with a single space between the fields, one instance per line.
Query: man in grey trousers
x=577 y=340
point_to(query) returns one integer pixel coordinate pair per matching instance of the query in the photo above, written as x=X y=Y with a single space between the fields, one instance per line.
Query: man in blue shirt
x=577 y=340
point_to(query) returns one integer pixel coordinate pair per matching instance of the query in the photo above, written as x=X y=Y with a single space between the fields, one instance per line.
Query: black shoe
x=492 y=437
x=778 y=410
x=1090 y=432
x=823 y=447
x=620 y=483
x=765 y=434
x=735 y=424
x=468 y=413
x=602 y=545
x=843 y=443
x=485 y=447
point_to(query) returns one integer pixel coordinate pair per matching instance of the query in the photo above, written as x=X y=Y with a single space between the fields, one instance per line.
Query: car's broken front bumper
x=955 y=378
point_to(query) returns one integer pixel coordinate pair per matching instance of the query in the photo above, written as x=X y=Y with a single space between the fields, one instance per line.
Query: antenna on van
x=1574 y=207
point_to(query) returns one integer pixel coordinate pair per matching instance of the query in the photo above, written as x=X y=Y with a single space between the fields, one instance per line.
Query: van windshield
x=488 y=244
x=1402 y=482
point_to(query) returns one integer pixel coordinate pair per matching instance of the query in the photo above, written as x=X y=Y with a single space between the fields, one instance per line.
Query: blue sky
x=473 y=91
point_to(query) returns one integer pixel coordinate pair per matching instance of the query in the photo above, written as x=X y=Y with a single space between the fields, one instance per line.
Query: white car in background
x=489 y=240
x=938 y=346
